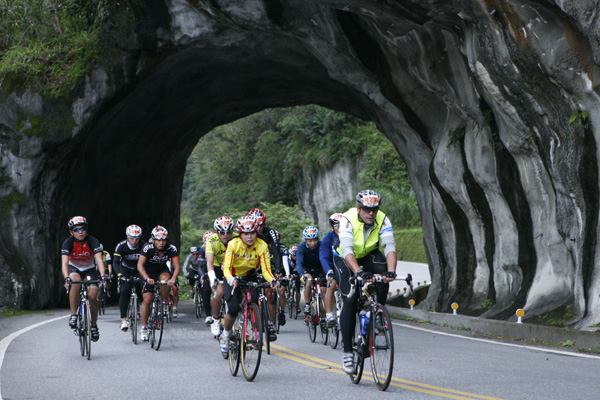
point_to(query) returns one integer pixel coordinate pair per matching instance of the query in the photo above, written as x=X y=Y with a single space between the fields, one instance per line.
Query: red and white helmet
x=224 y=224
x=334 y=219
x=368 y=199
x=247 y=224
x=160 y=233
x=259 y=215
x=73 y=222
x=133 y=232
x=206 y=235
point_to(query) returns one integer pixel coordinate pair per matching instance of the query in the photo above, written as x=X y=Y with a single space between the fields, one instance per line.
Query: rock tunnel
x=491 y=104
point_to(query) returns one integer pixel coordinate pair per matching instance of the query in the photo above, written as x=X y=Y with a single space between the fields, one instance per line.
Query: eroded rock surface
x=475 y=95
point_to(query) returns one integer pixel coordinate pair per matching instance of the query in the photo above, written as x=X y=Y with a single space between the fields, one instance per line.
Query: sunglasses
x=370 y=209
x=79 y=230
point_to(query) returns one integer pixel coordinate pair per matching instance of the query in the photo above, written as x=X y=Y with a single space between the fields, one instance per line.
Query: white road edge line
x=6 y=341
x=564 y=353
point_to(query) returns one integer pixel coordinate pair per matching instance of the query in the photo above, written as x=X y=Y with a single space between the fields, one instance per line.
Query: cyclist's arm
x=265 y=264
x=186 y=263
x=117 y=264
x=300 y=261
x=100 y=263
x=286 y=265
x=325 y=254
x=140 y=267
x=65 y=265
x=176 y=268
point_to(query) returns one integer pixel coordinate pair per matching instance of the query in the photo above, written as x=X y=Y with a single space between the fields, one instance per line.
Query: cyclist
x=326 y=257
x=206 y=288
x=363 y=230
x=308 y=264
x=293 y=273
x=152 y=266
x=196 y=262
x=81 y=255
x=108 y=268
x=243 y=257
x=175 y=289
x=127 y=254
x=271 y=237
x=215 y=251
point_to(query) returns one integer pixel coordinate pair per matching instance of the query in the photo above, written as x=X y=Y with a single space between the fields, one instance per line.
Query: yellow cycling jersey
x=215 y=247
x=240 y=260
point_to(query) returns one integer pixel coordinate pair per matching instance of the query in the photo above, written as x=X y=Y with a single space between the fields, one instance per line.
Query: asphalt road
x=43 y=362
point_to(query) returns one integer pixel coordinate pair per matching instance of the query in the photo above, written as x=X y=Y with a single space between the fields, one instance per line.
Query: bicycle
x=198 y=295
x=103 y=295
x=265 y=315
x=157 y=316
x=133 y=309
x=277 y=302
x=246 y=341
x=292 y=296
x=334 y=331
x=317 y=311
x=84 y=317
x=373 y=334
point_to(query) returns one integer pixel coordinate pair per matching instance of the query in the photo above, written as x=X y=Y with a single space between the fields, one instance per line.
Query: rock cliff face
x=476 y=95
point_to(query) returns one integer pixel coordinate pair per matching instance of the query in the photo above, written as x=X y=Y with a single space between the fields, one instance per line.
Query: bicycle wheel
x=265 y=323
x=132 y=318
x=277 y=311
x=251 y=342
x=88 y=329
x=321 y=319
x=334 y=332
x=81 y=329
x=357 y=349
x=160 y=326
x=151 y=323
x=234 y=352
x=197 y=301
x=381 y=343
x=310 y=319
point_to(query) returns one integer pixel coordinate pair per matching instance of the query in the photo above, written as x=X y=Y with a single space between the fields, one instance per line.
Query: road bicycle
x=246 y=340
x=334 y=331
x=103 y=296
x=265 y=314
x=84 y=317
x=156 y=319
x=316 y=318
x=133 y=308
x=277 y=302
x=292 y=297
x=198 y=295
x=373 y=334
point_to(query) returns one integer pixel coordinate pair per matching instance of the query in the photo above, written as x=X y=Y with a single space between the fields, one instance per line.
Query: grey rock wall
x=475 y=95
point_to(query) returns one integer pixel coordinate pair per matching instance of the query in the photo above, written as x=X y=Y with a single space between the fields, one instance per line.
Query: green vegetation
x=560 y=317
x=487 y=304
x=410 y=246
x=7 y=203
x=47 y=45
x=16 y=313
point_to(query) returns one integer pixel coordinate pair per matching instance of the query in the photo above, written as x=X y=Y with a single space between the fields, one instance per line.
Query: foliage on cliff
x=266 y=157
x=47 y=45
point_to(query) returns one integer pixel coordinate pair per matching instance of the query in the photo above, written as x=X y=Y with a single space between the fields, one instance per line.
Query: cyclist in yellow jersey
x=215 y=251
x=243 y=256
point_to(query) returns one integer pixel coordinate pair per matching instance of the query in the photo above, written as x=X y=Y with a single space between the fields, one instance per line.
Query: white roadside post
x=520 y=314
x=454 y=308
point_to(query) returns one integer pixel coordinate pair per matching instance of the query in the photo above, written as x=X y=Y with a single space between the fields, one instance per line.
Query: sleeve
x=286 y=263
x=386 y=237
x=117 y=261
x=95 y=245
x=300 y=260
x=265 y=263
x=325 y=253
x=66 y=247
x=346 y=237
x=185 y=265
x=276 y=251
x=228 y=262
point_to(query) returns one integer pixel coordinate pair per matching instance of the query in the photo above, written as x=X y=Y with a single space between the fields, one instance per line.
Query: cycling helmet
x=224 y=224
x=247 y=224
x=334 y=219
x=73 y=222
x=311 y=232
x=194 y=249
x=133 y=231
x=258 y=215
x=368 y=198
x=160 y=233
x=293 y=250
x=206 y=235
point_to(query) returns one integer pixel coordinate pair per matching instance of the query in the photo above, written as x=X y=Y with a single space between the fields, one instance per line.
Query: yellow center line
x=414 y=386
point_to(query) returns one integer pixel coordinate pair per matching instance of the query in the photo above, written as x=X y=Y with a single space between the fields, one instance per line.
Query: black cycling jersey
x=81 y=254
x=270 y=235
x=157 y=261
x=126 y=257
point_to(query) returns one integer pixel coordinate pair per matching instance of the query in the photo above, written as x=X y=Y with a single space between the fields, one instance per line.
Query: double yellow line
x=319 y=363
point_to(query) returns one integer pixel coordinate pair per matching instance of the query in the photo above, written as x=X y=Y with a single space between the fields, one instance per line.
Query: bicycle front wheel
x=88 y=329
x=381 y=343
x=358 y=350
x=251 y=342
x=234 y=352
x=152 y=324
x=81 y=329
x=198 y=302
x=322 y=320
x=160 y=325
x=265 y=324
x=312 y=327
x=293 y=304
x=132 y=318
